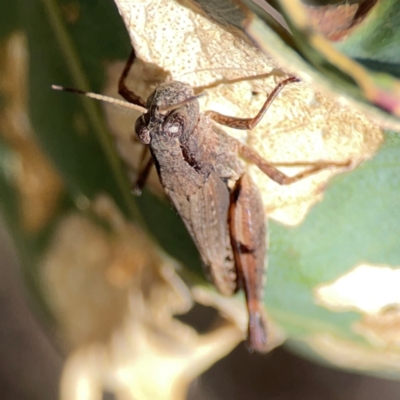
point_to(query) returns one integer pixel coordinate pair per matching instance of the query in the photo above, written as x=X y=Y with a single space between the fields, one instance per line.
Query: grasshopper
x=200 y=169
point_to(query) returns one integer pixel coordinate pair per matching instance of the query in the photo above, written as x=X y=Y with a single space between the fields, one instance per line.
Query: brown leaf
x=336 y=21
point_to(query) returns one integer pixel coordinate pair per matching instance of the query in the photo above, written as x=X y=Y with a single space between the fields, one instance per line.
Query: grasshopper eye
x=174 y=129
x=174 y=125
x=142 y=131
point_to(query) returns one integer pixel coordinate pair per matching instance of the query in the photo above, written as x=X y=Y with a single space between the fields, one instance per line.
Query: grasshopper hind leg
x=248 y=232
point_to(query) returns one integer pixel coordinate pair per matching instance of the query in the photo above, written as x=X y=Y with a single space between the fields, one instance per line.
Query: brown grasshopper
x=201 y=172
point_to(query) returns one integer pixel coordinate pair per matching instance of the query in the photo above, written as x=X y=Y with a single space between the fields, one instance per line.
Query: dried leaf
x=115 y=299
x=301 y=125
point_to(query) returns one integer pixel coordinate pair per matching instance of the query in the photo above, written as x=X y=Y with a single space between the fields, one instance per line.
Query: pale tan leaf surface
x=301 y=125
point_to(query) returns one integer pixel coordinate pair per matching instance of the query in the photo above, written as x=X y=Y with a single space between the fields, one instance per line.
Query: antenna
x=101 y=97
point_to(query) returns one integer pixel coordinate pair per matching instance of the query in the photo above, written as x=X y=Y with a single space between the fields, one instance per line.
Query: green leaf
x=84 y=156
x=377 y=38
x=357 y=222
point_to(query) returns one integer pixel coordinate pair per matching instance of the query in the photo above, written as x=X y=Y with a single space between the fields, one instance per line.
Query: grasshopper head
x=173 y=111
